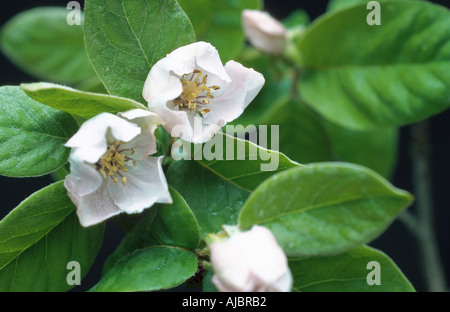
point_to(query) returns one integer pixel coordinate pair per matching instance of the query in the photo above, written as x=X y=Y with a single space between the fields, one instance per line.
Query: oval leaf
x=124 y=38
x=348 y=272
x=32 y=135
x=324 y=208
x=169 y=225
x=39 y=238
x=153 y=268
x=365 y=77
x=42 y=43
x=79 y=103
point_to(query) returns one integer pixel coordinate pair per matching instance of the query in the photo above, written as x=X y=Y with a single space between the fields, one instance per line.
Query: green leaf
x=324 y=208
x=125 y=38
x=157 y=253
x=216 y=189
x=79 y=103
x=153 y=268
x=39 y=238
x=347 y=272
x=41 y=43
x=219 y=22
x=366 y=77
x=165 y=225
x=32 y=135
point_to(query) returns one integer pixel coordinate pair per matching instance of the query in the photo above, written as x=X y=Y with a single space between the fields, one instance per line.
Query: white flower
x=250 y=261
x=264 y=32
x=191 y=82
x=111 y=171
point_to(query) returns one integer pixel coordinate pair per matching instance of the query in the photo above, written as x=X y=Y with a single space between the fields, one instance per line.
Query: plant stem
x=432 y=266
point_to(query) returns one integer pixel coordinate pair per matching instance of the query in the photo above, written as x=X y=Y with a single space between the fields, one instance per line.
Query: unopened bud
x=264 y=32
x=250 y=261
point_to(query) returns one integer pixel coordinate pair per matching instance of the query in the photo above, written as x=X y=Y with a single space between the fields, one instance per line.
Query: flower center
x=113 y=162
x=195 y=93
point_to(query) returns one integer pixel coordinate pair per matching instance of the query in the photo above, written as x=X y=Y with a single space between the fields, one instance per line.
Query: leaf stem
x=420 y=154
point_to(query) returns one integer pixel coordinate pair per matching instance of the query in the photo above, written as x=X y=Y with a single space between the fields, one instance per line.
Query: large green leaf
x=39 y=238
x=41 y=42
x=125 y=38
x=347 y=272
x=75 y=102
x=158 y=253
x=216 y=189
x=153 y=268
x=219 y=22
x=32 y=135
x=366 y=77
x=324 y=208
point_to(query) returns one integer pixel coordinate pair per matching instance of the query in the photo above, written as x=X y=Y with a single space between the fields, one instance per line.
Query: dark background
x=396 y=241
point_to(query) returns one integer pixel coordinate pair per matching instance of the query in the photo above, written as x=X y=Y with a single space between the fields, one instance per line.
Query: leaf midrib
x=35 y=133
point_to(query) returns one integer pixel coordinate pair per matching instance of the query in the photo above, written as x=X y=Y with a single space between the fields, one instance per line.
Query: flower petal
x=144 y=143
x=230 y=272
x=91 y=140
x=231 y=100
x=145 y=185
x=83 y=179
x=262 y=253
x=96 y=207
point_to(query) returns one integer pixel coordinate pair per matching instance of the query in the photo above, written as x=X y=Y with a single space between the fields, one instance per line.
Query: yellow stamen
x=194 y=92
x=113 y=162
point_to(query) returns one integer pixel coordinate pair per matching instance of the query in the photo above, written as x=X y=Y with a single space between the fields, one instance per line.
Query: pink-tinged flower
x=264 y=32
x=191 y=82
x=250 y=262
x=111 y=170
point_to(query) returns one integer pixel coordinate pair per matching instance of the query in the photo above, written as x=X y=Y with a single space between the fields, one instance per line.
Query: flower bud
x=264 y=32
x=250 y=261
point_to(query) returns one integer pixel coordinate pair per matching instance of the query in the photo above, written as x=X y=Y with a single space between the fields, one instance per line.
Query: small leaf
x=75 y=102
x=169 y=225
x=367 y=77
x=158 y=253
x=324 y=208
x=153 y=268
x=347 y=272
x=39 y=238
x=125 y=38
x=219 y=22
x=40 y=42
x=32 y=135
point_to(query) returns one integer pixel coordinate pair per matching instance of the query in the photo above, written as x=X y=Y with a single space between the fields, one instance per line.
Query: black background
x=396 y=241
